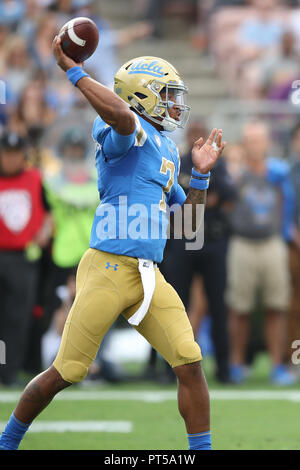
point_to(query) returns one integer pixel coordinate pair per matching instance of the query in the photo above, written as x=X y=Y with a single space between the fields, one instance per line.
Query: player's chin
x=176 y=116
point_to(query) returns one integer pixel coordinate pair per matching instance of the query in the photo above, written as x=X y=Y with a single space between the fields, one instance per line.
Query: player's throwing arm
x=112 y=109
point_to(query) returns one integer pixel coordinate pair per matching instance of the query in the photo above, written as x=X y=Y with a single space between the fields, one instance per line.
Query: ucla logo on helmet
x=149 y=69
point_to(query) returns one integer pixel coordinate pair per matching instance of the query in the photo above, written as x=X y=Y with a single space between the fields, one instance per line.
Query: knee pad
x=188 y=351
x=72 y=371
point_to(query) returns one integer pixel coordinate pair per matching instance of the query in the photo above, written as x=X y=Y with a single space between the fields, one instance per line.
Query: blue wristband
x=199 y=181
x=200 y=184
x=201 y=176
x=75 y=74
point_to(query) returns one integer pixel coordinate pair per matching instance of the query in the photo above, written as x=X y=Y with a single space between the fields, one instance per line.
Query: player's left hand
x=204 y=156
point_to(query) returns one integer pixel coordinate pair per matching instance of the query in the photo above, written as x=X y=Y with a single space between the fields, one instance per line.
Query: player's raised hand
x=204 y=156
x=64 y=62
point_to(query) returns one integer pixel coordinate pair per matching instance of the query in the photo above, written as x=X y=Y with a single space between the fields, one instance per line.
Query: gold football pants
x=108 y=285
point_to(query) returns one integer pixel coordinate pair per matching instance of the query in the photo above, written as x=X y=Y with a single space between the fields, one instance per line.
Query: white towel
x=146 y=268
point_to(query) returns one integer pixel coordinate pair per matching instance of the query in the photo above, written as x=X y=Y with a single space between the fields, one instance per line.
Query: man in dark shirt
x=294 y=246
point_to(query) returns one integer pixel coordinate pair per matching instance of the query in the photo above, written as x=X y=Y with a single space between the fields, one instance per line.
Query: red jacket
x=21 y=209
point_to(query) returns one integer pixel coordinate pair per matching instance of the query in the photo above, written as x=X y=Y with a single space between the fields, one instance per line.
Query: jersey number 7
x=166 y=166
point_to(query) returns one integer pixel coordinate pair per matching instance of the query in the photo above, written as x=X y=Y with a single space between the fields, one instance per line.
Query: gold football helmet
x=141 y=81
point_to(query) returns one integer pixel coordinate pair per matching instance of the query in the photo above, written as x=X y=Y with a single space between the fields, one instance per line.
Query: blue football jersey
x=137 y=182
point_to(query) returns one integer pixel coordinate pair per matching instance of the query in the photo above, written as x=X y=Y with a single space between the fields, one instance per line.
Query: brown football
x=79 y=38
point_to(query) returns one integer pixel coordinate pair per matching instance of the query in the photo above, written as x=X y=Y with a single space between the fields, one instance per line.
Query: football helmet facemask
x=141 y=82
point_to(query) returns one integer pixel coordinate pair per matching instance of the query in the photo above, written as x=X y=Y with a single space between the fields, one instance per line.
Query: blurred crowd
x=250 y=262
x=256 y=45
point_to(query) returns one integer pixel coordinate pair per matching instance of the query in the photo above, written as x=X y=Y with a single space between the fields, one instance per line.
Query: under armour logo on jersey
x=108 y=265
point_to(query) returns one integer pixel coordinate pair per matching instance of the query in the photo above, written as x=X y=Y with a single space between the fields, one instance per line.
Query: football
x=79 y=38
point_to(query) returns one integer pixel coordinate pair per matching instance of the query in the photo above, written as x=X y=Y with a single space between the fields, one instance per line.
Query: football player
x=137 y=165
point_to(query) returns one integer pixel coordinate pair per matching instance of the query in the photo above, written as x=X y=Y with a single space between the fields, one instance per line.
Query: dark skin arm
x=194 y=197
x=110 y=107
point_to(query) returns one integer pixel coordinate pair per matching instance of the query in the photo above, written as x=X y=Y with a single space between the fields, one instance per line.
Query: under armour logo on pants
x=108 y=265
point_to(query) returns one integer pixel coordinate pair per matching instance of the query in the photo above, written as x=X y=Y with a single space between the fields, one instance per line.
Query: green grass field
x=241 y=417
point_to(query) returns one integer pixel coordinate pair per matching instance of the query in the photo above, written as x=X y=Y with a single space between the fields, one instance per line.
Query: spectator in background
x=41 y=45
x=73 y=197
x=156 y=10
x=27 y=27
x=234 y=157
x=258 y=36
x=243 y=38
x=293 y=23
x=10 y=98
x=25 y=227
x=11 y=11
x=280 y=67
x=262 y=222
x=205 y=10
x=260 y=32
x=4 y=36
x=32 y=114
x=295 y=169
x=230 y=3
x=294 y=311
x=64 y=10
x=17 y=65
